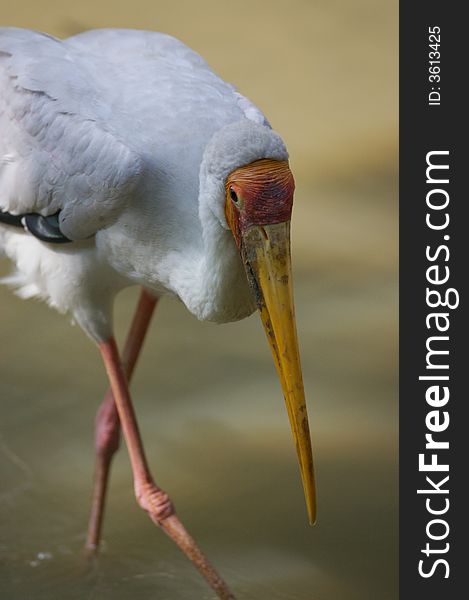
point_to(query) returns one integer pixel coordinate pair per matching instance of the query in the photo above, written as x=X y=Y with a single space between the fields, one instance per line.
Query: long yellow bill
x=266 y=253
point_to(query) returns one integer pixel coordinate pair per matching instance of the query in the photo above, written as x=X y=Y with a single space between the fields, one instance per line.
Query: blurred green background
x=209 y=404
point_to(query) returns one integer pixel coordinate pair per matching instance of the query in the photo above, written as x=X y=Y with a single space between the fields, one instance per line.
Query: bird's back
x=108 y=130
x=161 y=92
x=137 y=47
x=86 y=120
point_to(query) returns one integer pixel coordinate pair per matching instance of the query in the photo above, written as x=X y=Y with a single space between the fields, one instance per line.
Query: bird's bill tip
x=266 y=253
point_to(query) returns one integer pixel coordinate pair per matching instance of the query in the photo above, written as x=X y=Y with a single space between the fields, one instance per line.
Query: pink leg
x=107 y=432
x=149 y=496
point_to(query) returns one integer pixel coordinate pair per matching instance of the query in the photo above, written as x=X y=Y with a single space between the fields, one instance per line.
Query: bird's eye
x=234 y=196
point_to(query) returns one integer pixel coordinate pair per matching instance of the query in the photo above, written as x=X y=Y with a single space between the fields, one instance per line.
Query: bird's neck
x=217 y=288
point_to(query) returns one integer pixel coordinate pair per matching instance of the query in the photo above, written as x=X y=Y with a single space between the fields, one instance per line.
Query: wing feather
x=57 y=152
x=89 y=122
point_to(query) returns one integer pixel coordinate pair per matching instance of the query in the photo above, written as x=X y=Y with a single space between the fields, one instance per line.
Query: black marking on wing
x=46 y=229
x=9 y=219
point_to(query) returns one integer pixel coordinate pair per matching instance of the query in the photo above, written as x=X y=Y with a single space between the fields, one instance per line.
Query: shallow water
x=213 y=421
x=207 y=396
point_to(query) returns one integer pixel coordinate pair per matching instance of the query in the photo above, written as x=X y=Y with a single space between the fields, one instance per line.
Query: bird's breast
x=169 y=256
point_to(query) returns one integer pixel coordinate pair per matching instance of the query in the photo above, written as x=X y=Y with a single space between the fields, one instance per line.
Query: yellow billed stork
x=125 y=160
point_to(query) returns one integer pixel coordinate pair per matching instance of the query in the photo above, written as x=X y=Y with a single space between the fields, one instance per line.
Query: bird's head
x=258 y=205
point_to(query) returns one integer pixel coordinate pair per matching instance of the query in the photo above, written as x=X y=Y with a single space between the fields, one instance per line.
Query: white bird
x=124 y=160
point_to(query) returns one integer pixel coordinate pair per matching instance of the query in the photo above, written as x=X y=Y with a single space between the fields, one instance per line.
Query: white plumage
x=131 y=136
x=151 y=170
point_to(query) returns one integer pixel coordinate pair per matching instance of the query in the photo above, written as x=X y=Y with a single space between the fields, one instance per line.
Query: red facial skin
x=264 y=191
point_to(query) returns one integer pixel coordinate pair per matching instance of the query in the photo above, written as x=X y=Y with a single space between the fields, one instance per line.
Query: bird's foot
x=154 y=501
x=161 y=511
